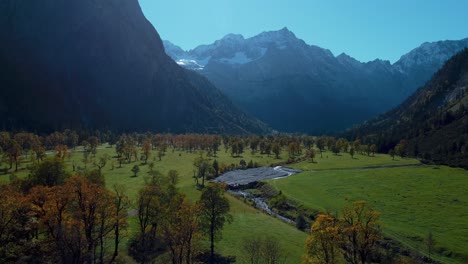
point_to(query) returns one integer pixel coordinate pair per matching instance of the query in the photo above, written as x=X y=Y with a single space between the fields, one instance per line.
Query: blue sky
x=364 y=29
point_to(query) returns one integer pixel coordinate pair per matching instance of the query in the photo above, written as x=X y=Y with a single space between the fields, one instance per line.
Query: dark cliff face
x=100 y=64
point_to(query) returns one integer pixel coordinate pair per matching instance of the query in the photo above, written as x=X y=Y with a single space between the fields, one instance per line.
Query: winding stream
x=239 y=179
x=260 y=204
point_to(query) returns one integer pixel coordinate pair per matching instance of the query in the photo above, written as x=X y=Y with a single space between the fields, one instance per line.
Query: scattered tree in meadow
x=252 y=249
x=294 y=149
x=373 y=149
x=365 y=149
x=173 y=176
x=214 y=214
x=151 y=166
x=26 y=141
x=61 y=151
x=39 y=151
x=237 y=148
x=168 y=222
x=93 y=144
x=360 y=228
x=78 y=219
x=258 y=250
x=323 y=244
x=268 y=149
x=54 y=139
x=146 y=149
x=330 y=142
x=343 y=144
x=102 y=161
x=336 y=149
x=272 y=251
x=122 y=203
x=181 y=230
x=49 y=172
x=353 y=236
x=71 y=138
x=401 y=148
x=95 y=176
x=357 y=145
x=135 y=170
x=310 y=154
x=321 y=142
x=202 y=167
x=216 y=167
x=308 y=142
x=160 y=154
x=351 y=152
x=254 y=143
x=149 y=210
x=275 y=147
x=243 y=163
x=391 y=152
x=13 y=153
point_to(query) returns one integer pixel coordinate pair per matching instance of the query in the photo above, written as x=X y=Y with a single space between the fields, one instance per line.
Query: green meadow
x=413 y=200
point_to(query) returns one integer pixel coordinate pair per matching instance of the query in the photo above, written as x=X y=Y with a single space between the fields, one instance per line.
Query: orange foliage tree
x=323 y=244
x=354 y=235
x=78 y=219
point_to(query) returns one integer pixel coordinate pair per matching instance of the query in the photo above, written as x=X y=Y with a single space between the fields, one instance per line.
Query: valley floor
x=413 y=199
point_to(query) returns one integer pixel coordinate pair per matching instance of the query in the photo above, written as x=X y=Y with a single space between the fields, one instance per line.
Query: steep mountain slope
x=421 y=63
x=100 y=64
x=294 y=86
x=434 y=119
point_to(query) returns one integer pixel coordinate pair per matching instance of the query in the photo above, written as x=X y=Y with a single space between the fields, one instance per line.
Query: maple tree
x=323 y=243
x=360 y=226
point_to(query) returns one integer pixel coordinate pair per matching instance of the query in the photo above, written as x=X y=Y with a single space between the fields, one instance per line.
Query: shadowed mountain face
x=434 y=119
x=101 y=64
x=293 y=86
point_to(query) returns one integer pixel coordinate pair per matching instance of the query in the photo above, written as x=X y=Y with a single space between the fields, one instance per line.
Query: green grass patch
x=344 y=161
x=412 y=200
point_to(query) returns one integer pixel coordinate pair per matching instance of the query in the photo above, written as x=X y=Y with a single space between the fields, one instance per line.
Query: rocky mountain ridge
x=293 y=86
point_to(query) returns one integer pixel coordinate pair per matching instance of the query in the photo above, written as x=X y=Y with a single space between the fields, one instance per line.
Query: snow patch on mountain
x=190 y=64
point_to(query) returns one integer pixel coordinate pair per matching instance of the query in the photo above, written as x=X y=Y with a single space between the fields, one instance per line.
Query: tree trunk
x=212 y=242
x=116 y=242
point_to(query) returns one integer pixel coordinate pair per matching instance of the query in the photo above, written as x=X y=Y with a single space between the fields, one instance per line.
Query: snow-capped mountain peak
x=280 y=38
x=431 y=53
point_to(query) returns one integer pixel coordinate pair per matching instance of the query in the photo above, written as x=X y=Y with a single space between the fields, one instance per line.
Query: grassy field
x=248 y=222
x=344 y=161
x=412 y=200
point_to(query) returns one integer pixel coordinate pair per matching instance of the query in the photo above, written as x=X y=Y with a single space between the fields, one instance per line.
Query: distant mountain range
x=101 y=65
x=296 y=87
x=434 y=119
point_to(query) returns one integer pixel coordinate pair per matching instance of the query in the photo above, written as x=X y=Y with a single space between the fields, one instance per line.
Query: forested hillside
x=433 y=120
